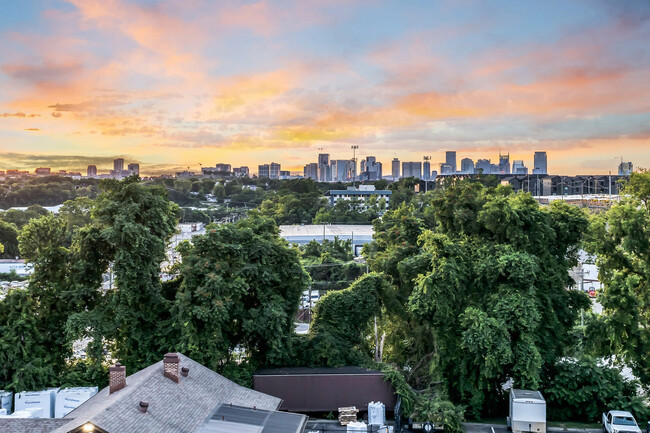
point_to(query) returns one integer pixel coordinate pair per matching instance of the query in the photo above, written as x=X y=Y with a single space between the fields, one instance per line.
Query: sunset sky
x=172 y=84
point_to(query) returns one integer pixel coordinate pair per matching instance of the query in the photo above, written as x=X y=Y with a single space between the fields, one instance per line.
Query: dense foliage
x=620 y=239
x=241 y=285
x=481 y=274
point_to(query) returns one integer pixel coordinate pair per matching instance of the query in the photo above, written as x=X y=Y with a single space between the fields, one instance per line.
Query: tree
x=9 y=239
x=133 y=225
x=620 y=239
x=480 y=275
x=241 y=286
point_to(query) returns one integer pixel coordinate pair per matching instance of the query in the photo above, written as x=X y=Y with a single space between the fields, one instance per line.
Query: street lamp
x=426 y=177
x=354 y=148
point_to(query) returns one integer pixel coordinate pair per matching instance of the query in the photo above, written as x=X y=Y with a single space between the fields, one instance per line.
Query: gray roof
x=359 y=192
x=173 y=407
x=30 y=425
x=527 y=394
x=228 y=419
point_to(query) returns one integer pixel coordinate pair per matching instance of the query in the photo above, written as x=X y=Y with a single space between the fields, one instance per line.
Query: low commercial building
x=358 y=234
x=363 y=194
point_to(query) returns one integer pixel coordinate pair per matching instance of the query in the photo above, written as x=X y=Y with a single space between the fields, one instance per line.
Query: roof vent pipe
x=185 y=371
x=143 y=406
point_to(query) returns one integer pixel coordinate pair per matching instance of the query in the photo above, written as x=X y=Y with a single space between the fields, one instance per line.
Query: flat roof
x=359 y=192
x=307 y=371
x=527 y=394
x=317 y=230
x=231 y=418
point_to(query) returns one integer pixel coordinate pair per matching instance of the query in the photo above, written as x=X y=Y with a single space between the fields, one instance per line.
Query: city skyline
x=171 y=84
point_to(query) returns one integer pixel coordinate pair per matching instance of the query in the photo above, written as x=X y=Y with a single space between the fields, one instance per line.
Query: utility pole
x=354 y=148
x=426 y=177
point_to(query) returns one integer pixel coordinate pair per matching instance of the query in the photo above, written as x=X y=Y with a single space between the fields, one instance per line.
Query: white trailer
x=527 y=412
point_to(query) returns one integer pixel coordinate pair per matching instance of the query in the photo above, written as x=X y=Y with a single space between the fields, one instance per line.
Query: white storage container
x=376 y=413
x=34 y=412
x=37 y=399
x=69 y=399
x=527 y=411
x=5 y=400
x=357 y=427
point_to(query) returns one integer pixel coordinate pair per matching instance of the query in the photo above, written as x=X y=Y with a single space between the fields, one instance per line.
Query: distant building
x=264 y=171
x=240 y=171
x=504 y=163
x=43 y=171
x=484 y=166
x=134 y=168
x=446 y=168
x=224 y=168
x=426 y=170
x=285 y=174
x=91 y=171
x=395 y=168
x=625 y=168
x=450 y=159
x=118 y=165
x=412 y=169
x=362 y=195
x=467 y=166
x=310 y=171
x=324 y=169
x=540 y=163
x=518 y=167
x=274 y=171
x=342 y=170
x=370 y=169
x=18 y=266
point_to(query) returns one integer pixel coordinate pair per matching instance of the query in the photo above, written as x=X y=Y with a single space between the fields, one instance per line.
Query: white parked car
x=619 y=421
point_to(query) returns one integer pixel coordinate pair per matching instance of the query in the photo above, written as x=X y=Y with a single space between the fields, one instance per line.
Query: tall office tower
x=445 y=168
x=263 y=171
x=371 y=169
x=311 y=171
x=118 y=165
x=395 y=168
x=341 y=170
x=518 y=167
x=625 y=168
x=484 y=166
x=91 y=170
x=539 y=163
x=504 y=163
x=134 y=168
x=412 y=169
x=467 y=166
x=451 y=160
x=324 y=172
x=426 y=170
x=274 y=171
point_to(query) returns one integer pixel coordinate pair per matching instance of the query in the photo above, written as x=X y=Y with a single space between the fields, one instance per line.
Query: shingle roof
x=30 y=425
x=173 y=407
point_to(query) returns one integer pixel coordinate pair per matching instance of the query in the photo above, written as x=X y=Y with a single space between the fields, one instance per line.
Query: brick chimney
x=117 y=378
x=171 y=365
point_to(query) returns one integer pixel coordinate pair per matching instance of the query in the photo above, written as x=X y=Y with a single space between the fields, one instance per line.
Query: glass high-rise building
x=395 y=168
x=450 y=160
x=539 y=163
x=467 y=166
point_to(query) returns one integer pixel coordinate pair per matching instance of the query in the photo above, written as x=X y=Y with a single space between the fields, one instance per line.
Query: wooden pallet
x=348 y=415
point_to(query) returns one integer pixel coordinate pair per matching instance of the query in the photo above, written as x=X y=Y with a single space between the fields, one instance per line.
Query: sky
x=183 y=83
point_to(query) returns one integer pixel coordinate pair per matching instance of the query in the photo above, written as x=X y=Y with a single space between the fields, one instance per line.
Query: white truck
x=527 y=412
x=619 y=421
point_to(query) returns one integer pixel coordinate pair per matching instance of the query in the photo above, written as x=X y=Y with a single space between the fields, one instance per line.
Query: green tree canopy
x=241 y=286
x=620 y=240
